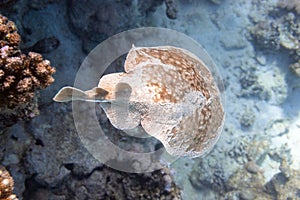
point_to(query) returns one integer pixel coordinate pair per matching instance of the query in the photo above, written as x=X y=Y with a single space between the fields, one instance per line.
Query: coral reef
x=208 y=175
x=261 y=173
x=265 y=35
x=290 y=5
x=269 y=86
x=249 y=84
x=44 y=154
x=239 y=151
x=279 y=31
x=246 y=185
x=106 y=183
x=6 y=185
x=248 y=118
x=295 y=67
x=251 y=184
x=20 y=75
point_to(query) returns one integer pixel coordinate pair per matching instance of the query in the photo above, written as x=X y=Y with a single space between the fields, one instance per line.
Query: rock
x=216 y=1
x=248 y=118
x=248 y=79
x=247 y=185
x=286 y=184
x=277 y=128
x=289 y=5
x=41 y=157
x=251 y=87
x=7 y=3
x=295 y=67
x=106 y=183
x=73 y=173
x=94 y=21
x=45 y=45
x=233 y=41
x=171 y=9
x=279 y=31
x=203 y=176
x=288 y=41
x=252 y=167
x=239 y=152
x=261 y=59
x=265 y=35
x=40 y=4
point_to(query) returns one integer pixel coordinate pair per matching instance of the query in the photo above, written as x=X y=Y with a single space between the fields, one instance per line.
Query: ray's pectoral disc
x=167 y=90
x=120 y=112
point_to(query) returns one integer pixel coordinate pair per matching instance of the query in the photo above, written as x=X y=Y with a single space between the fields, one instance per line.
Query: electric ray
x=168 y=91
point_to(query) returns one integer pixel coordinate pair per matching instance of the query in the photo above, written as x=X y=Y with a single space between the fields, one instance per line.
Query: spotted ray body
x=168 y=91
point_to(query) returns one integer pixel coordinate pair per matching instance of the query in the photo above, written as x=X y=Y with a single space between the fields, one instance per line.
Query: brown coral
x=20 y=75
x=6 y=185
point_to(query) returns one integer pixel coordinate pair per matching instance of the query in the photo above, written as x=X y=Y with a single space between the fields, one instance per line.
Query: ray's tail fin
x=73 y=94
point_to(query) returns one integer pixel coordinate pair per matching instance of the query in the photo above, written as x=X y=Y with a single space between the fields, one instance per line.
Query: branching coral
x=20 y=75
x=6 y=185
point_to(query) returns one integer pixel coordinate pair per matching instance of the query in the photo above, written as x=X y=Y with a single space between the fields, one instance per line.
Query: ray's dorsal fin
x=96 y=93
x=100 y=93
